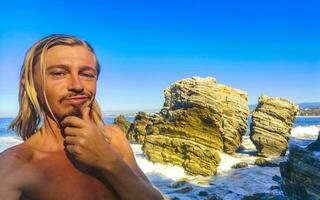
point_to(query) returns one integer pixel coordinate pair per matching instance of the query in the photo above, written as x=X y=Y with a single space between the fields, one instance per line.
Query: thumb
x=85 y=113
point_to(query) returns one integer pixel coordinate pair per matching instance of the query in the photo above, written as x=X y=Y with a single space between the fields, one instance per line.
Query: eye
x=89 y=75
x=57 y=73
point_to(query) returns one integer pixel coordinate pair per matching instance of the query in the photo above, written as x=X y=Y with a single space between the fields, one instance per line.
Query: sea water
x=229 y=183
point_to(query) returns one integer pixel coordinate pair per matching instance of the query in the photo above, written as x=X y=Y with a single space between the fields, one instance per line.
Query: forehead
x=70 y=56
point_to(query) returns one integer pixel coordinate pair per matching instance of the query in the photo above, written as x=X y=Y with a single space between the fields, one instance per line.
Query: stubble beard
x=76 y=111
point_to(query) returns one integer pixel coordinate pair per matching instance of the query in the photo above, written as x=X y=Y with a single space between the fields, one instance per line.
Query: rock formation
x=122 y=123
x=199 y=118
x=315 y=146
x=261 y=162
x=300 y=174
x=137 y=131
x=271 y=124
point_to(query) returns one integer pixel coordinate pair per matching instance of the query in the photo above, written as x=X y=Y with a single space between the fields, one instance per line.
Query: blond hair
x=30 y=111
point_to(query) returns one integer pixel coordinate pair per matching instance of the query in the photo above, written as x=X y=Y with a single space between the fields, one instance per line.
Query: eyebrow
x=57 y=66
x=65 y=67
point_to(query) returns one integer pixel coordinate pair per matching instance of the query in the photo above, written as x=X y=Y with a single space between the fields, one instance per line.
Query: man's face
x=70 y=80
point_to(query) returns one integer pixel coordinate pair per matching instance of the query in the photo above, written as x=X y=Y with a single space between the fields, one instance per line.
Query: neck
x=48 y=138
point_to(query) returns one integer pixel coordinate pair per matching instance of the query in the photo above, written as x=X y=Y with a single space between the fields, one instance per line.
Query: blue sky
x=262 y=47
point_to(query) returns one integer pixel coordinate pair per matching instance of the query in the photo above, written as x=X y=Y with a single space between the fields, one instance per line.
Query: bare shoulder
x=113 y=128
x=15 y=156
x=116 y=134
x=12 y=175
x=119 y=141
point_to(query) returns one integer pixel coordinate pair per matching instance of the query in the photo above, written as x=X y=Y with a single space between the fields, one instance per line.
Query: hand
x=86 y=141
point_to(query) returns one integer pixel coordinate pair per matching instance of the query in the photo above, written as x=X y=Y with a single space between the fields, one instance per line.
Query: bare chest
x=60 y=179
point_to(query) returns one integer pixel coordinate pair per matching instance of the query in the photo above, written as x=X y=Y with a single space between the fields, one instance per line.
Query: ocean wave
x=305 y=132
x=227 y=161
x=165 y=170
x=228 y=183
x=9 y=141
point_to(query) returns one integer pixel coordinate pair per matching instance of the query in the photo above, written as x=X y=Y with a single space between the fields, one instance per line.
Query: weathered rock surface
x=300 y=174
x=271 y=124
x=184 y=190
x=315 y=146
x=122 y=123
x=138 y=129
x=240 y=165
x=199 y=118
x=261 y=162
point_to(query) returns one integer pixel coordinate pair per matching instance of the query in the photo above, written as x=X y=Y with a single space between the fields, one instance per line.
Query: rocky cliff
x=199 y=118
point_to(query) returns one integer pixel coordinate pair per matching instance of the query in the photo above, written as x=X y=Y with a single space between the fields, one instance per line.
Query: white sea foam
x=167 y=171
x=8 y=141
x=305 y=132
x=228 y=183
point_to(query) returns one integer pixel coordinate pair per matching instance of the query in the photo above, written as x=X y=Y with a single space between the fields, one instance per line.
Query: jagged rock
x=277 y=179
x=315 y=146
x=203 y=193
x=184 y=190
x=199 y=118
x=261 y=162
x=178 y=184
x=271 y=124
x=300 y=174
x=138 y=129
x=122 y=123
x=275 y=187
x=239 y=165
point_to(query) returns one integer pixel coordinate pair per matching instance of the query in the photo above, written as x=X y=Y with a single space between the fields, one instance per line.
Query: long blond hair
x=30 y=112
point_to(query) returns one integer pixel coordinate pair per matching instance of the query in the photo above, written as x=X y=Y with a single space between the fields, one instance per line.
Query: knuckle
x=67 y=129
x=69 y=140
x=71 y=120
x=66 y=120
x=82 y=142
x=77 y=149
x=69 y=148
x=84 y=134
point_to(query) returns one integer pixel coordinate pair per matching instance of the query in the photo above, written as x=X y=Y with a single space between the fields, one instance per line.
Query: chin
x=73 y=111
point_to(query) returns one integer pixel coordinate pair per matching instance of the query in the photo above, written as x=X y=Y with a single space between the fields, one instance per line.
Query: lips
x=76 y=100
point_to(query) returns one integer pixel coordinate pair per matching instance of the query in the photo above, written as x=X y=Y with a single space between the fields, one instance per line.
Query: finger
x=71 y=131
x=72 y=140
x=72 y=149
x=85 y=113
x=72 y=121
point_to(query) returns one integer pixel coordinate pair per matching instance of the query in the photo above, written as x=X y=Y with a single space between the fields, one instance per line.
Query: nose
x=75 y=84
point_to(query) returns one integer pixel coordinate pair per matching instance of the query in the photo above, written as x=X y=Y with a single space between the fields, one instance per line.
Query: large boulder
x=272 y=122
x=122 y=123
x=199 y=118
x=300 y=174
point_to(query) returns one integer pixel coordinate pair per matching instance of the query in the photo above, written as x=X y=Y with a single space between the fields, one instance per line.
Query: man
x=67 y=153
